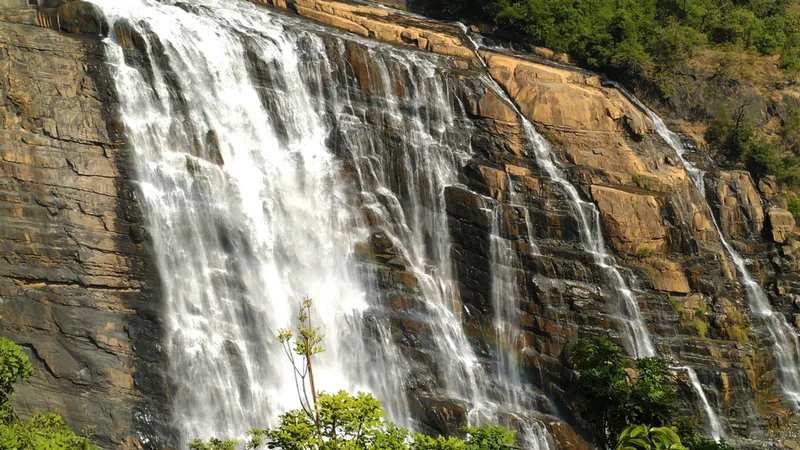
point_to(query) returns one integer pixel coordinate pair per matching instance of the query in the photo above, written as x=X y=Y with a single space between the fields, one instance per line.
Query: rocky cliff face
x=81 y=294
x=76 y=279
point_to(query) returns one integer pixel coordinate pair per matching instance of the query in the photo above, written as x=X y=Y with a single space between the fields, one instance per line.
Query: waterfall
x=509 y=343
x=714 y=425
x=787 y=344
x=263 y=163
x=246 y=212
x=639 y=341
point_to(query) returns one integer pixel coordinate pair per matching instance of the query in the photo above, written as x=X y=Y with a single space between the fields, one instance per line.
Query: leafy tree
x=612 y=391
x=212 y=444
x=41 y=431
x=643 y=437
x=343 y=421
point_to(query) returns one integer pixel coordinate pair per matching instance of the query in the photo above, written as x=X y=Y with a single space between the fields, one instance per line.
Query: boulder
x=80 y=17
x=781 y=224
x=740 y=210
x=768 y=186
x=632 y=221
x=668 y=276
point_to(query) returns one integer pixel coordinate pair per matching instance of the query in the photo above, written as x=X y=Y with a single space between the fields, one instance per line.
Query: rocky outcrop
x=781 y=224
x=77 y=284
x=633 y=220
x=382 y=24
x=740 y=210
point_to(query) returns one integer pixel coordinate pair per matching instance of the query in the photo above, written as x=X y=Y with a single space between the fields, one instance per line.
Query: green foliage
x=702 y=328
x=643 y=437
x=40 y=432
x=698 y=442
x=734 y=136
x=347 y=422
x=489 y=437
x=644 y=252
x=357 y=423
x=794 y=207
x=212 y=444
x=638 y=40
x=423 y=442
x=790 y=130
x=731 y=133
x=612 y=392
x=762 y=159
x=14 y=366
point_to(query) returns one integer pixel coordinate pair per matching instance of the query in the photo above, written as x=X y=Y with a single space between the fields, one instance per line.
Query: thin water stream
x=787 y=344
x=639 y=341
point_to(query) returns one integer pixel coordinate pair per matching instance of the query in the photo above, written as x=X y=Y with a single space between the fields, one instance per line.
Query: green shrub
x=702 y=328
x=608 y=399
x=794 y=207
x=644 y=437
x=14 y=366
x=762 y=159
x=644 y=252
x=41 y=431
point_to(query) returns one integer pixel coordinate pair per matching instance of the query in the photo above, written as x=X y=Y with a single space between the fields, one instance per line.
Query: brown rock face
x=382 y=24
x=633 y=221
x=781 y=224
x=562 y=98
x=740 y=210
x=668 y=276
x=76 y=280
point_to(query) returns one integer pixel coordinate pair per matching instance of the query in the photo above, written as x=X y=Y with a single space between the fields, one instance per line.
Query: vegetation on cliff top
x=729 y=66
x=639 y=40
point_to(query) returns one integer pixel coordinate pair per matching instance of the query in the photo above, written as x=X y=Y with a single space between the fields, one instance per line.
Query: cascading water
x=239 y=244
x=592 y=236
x=505 y=297
x=714 y=425
x=640 y=344
x=246 y=128
x=787 y=344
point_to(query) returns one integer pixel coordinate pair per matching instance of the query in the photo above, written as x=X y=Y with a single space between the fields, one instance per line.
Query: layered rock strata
x=77 y=282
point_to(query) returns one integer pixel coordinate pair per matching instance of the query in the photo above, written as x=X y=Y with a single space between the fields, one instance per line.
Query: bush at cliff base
x=41 y=431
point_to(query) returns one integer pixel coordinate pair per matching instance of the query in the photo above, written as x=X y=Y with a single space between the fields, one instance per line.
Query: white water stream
x=639 y=341
x=247 y=131
x=787 y=345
